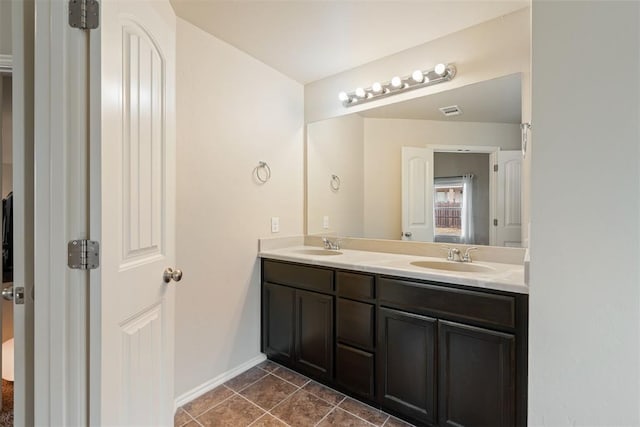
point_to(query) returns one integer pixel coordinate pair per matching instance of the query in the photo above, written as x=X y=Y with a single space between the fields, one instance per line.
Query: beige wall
x=232 y=112
x=336 y=147
x=488 y=50
x=584 y=299
x=5 y=27
x=458 y=164
x=384 y=139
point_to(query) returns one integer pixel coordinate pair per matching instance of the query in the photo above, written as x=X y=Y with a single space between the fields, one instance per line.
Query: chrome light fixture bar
x=419 y=78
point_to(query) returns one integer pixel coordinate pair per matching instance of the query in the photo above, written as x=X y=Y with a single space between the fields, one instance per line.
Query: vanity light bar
x=419 y=78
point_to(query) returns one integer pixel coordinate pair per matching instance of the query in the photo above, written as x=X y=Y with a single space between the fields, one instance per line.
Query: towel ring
x=263 y=172
x=335 y=182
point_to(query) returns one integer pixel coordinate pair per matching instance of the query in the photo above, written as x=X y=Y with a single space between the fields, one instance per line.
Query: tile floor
x=271 y=395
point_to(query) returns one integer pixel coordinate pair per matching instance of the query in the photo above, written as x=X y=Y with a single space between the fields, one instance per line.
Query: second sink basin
x=454 y=266
x=318 y=252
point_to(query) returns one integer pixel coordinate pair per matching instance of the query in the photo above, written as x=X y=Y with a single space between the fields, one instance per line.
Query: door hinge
x=83 y=254
x=495 y=221
x=84 y=14
x=495 y=169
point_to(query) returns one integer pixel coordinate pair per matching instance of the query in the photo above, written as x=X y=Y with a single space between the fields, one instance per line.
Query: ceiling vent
x=452 y=110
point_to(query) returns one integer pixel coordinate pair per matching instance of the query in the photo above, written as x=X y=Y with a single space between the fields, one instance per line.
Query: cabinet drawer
x=355 y=370
x=355 y=322
x=356 y=286
x=318 y=279
x=439 y=300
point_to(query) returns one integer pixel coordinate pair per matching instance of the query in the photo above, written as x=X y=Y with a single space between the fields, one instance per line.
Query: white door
x=417 y=194
x=137 y=184
x=508 y=209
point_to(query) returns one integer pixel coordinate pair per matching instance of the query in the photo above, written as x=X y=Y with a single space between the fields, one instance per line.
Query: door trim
x=6 y=63
x=492 y=150
x=22 y=18
x=60 y=215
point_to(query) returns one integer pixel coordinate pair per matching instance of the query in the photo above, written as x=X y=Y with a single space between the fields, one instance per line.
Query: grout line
x=266 y=411
x=369 y=406
x=362 y=419
x=188 y=415
x=325 y=415
x=324 y=400
x=214 y=406
x=277 y=404
x=283 y=379
x=249 y=385
x=328 y=388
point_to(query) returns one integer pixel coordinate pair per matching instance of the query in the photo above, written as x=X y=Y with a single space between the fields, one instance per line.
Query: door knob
x=171 y=274
x=7 y=293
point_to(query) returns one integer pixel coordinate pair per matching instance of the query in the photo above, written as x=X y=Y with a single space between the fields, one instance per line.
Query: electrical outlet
x=275 y=224
x=325 y=222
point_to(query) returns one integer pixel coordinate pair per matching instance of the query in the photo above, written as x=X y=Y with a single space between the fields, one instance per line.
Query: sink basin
x=324 y=252
x=454 y=266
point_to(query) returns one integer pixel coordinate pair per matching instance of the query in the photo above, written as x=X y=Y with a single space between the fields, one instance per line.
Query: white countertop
x=503 y=277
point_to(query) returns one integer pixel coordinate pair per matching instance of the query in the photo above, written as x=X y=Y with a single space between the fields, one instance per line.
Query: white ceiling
x=492 y=101
x=309 y=40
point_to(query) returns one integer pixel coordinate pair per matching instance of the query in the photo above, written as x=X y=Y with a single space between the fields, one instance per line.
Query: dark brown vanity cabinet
x=297 y=324
x=433 y=353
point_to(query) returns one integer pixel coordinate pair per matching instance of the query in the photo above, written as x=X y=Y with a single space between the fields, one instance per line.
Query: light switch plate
x=325 y=222
x=275 y=224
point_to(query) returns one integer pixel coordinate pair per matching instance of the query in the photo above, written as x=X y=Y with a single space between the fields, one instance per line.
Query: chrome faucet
x=328 y=244
x=454 y=254
x=467 y=256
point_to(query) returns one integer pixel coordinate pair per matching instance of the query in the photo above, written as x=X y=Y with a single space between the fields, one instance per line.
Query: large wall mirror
x=442 y=168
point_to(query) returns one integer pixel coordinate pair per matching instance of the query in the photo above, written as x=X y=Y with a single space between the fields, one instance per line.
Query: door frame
x=60 y=213
x=22 y=20
x=6 y=69
x=493 y=183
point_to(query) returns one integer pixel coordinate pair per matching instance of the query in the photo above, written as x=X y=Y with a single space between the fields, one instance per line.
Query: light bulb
x=417 y=76
x=376 y=87
x=440 y=69
x=342 y=96
x=396 y=82
x=360 y=93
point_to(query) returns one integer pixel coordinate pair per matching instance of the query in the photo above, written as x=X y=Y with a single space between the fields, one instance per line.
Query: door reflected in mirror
x=409 y=172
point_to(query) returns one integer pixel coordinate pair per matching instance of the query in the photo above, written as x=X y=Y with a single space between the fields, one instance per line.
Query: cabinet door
x=278 y=304
x=406 y=372
x=314 y=334
x=354 y=370
x=477 y=376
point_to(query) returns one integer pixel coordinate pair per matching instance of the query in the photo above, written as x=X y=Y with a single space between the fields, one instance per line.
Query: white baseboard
x=215 y=382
